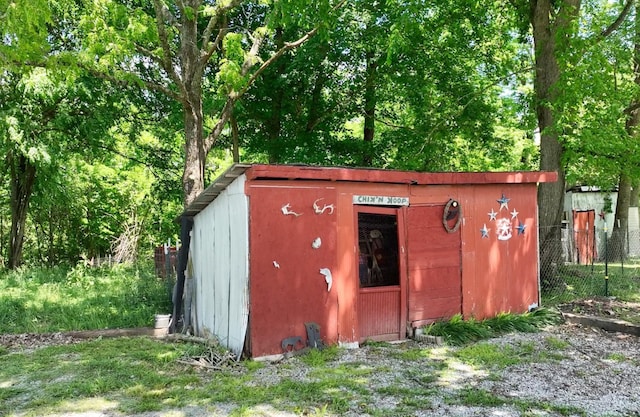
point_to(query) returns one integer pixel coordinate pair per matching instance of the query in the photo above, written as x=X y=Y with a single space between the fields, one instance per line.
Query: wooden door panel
x=434 y=262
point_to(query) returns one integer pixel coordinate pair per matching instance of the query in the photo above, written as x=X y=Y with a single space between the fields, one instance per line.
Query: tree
x=554 y=27
x=176 y=48
x=412 y=85
x=628 y=166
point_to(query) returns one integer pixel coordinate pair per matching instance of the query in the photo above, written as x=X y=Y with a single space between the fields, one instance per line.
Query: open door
x=381 y=300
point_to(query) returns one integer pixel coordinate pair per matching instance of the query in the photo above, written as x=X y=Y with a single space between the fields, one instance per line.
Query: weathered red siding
x=435 y=286
x=499 y=275
x=379 y=314
x=286 y=287
x=470 y=271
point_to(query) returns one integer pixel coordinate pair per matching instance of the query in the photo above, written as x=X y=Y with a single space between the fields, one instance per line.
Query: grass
x=585 y=281
x=40 y=300
x=142 y=375
x=457 y=331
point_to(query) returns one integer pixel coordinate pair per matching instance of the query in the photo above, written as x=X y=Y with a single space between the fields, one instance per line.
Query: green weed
x=458 y=331
x=39 y=300
x=616 y=357
x=476 y=397
x=555 y=343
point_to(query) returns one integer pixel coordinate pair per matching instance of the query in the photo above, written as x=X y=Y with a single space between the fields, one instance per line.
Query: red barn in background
x=364 y=254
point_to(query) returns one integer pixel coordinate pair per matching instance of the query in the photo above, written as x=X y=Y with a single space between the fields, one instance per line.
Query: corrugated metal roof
x=216 y=187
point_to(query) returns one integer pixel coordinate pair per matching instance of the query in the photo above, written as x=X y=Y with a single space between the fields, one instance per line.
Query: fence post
x=167 y=259
x=606 y=262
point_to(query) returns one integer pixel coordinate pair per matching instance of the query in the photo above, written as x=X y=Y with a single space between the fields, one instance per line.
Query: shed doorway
x=381 y=301
x=584 y=236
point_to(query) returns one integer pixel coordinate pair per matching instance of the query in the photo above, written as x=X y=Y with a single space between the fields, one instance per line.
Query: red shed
x=362 y=253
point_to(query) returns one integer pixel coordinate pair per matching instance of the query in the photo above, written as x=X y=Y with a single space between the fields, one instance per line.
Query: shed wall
x=473 y=272
x=220 y=268
x=500 y=266
x=287 y=286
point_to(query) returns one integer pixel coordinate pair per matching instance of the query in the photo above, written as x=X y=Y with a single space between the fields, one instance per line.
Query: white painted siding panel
x=220 y=245
x=221 y=269
x=239 y=261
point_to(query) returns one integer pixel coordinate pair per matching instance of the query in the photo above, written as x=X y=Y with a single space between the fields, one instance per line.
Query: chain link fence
x=578 y=263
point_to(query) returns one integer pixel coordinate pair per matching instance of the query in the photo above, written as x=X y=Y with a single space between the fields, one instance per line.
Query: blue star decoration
x=521 y=227
x=492 y=215
x=484 y=231
x=504 y=202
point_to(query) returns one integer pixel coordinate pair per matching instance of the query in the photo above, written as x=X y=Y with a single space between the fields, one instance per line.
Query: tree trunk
x=193 y=175
x=23 y=175
x=50 y=237
x=316 y=111
x=235 y=139
x=274 y=123
x=547 y=74
x=369 y=106
x=195 y=155
x=617 y=244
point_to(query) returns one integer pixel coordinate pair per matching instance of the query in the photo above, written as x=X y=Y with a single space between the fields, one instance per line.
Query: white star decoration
x=505 y=225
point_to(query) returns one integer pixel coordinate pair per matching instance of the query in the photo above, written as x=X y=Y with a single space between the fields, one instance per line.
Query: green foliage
x=23 y=30
x=80 y=298
x=458 y=331
x=433 y=110
x=476 y=397
x=451 y=81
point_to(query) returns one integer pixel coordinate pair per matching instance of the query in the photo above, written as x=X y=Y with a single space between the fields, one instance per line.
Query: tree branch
x=150 y=85
x=207 y=52
x=167 y=57
x=225 y=115
x=213 y=22
x=248 y=63
x=287 y=47
x=250 y=60
x=616 y=23
x=632 y=107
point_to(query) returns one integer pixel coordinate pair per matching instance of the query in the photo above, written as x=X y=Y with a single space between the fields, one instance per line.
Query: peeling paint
x=286 y=210
x=327 y=277
x=276 y=264
x=317 y=242
x=319 y=210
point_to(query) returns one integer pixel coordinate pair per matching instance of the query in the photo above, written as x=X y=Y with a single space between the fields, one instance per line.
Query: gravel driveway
x=565 y=370
x=582 y=372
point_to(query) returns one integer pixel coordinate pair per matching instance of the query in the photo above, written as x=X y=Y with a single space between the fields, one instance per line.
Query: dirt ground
x=606 y=307
x=598 y=372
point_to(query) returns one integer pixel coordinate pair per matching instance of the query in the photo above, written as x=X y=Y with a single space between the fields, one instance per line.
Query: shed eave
x=384 y=176
x=215 y=188
x=266 y=172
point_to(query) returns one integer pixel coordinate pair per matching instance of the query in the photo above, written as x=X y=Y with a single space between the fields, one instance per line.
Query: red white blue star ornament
x=505 y=223
x=521 y=227
x=504 y=202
